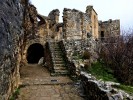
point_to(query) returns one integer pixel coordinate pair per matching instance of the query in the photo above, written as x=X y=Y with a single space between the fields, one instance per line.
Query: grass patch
x=106 y=74
x=102 y=72
x=125 y=88
x=15 y=94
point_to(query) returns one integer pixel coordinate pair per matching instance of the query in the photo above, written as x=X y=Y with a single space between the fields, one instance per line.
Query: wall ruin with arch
x=19 y=29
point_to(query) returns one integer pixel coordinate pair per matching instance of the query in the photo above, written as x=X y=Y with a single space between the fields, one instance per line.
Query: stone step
x=52 y=49
x=60 y=68
x=60 y=61
x=59 y=65
x=56 y=53
x=57 y=59
x=55 y=49
x=61 y=71
x=54 y=46
x=58 y=50
x=57 y=56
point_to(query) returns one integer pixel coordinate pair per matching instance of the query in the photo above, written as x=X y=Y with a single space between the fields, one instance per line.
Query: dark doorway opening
x=34 y=53
x=102 y=35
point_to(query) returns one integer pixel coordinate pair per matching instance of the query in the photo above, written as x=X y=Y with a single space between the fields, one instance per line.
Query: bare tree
x=118 y=56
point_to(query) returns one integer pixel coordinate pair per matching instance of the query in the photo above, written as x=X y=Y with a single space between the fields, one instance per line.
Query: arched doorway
x=34 y=53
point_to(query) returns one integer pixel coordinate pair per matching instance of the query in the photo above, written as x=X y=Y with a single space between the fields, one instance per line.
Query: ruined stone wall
x=110 y=28
x=76 y=24
x=101 y=90
x=94 y=20
x=30 y=25
x=30 y=21
x=53 y=21
x=11 y=41
x=43 y=26
x=49 y=26
x=58 y=35
x=18 y=26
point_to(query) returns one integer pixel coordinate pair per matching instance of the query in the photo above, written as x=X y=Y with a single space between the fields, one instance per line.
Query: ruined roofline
x=73 y=10
x=94 y=10
x=54 y=11
x=110 y=20
x=91 y=6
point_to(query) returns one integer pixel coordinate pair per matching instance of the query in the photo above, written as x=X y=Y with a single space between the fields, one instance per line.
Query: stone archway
x=34 y=53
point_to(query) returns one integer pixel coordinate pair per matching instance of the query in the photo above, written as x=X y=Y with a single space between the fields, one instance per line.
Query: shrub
x=86 y=55
x=118 y=56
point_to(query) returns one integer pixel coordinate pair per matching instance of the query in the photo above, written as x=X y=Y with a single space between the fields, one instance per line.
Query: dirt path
x=39 y=85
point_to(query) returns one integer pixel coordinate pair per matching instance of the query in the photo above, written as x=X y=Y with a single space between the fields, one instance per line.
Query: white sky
x=106 y=9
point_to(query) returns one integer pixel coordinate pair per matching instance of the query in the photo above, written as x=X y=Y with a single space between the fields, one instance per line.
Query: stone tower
x=94 y=20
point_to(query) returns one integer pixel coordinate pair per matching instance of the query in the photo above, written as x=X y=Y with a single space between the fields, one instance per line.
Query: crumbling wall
x=43 y=26
x=76 y=24
x=11 y=41
x=100 y=90
x=49 y=26
x=94 y=20
x=78 y=37
x=53 y=21
x=18 y=25
x=30 y=20
x=30 y=25
x=110 y=28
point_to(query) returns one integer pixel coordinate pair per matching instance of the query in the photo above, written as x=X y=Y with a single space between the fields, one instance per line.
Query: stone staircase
x=59 y=67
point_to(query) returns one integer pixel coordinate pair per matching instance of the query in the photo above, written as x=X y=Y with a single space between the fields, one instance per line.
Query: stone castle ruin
x=77 y=25
x=26 y=37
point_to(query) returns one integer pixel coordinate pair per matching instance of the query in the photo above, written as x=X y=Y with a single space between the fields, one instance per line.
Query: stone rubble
x=106 y=87
x=20 y=28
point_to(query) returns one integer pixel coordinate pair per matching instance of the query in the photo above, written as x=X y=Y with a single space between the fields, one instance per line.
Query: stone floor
x=37 y=84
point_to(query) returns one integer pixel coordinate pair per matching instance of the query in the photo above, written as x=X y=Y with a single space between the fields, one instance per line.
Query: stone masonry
x=76 y=24
x=11 y=40
x=110 y=28
x=21 y=28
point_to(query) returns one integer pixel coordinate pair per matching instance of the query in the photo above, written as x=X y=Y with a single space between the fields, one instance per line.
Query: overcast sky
x=106 y=9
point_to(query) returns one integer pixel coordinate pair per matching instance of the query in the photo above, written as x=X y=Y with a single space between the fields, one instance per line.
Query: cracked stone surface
x=37 y=84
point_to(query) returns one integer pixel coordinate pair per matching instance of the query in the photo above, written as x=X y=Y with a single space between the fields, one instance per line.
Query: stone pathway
x=37 y=84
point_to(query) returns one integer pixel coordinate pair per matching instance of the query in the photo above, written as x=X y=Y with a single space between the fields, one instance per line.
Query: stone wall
x=94 y=20
x=76 y=24
x=100 y=90
x=53 y=21
x=74 y=50
x=43 y=26
x=49 y=26
x=11 y=41
x=110 y=28
x=18 y=26
x=30 y=20
x=30 y=25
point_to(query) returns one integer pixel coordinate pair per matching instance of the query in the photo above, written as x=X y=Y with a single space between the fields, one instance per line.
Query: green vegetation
x=126 y=88
x=106 y=74
x=15 y=94
x=102 y=72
